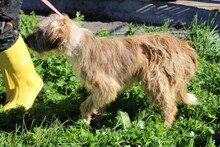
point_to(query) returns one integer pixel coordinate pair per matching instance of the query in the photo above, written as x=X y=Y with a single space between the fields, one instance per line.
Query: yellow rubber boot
x=22 y=82
x=8 y=84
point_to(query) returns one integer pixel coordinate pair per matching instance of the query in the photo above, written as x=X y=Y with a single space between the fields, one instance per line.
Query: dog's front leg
x=87 y=108
x=101 y=96
x=93 y=103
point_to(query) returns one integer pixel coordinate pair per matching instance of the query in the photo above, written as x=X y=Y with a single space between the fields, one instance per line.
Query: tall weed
x=206 y=40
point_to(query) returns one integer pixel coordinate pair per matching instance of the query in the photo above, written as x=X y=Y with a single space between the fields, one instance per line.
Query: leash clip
x=2 y=26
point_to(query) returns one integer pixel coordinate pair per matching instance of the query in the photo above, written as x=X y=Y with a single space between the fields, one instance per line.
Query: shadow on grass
x=41 y=114
x=67 y=112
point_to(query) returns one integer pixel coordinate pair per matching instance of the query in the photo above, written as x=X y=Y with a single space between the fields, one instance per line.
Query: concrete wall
x=126 y=10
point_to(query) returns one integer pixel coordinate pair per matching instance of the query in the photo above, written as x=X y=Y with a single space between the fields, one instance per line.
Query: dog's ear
x=58 y=33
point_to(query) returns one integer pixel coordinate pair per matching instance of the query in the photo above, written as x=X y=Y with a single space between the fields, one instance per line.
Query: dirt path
x=115 y=28
x=118 y=28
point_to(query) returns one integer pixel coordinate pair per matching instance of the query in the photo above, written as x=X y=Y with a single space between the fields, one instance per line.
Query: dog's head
x=53 y=33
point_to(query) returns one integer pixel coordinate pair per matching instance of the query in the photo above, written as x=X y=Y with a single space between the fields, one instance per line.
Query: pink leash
x=46 y=2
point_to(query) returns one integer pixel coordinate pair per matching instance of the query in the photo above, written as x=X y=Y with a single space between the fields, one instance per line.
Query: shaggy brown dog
x=162 y=63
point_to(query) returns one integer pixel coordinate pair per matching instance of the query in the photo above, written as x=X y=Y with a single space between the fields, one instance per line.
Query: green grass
x=54 y=119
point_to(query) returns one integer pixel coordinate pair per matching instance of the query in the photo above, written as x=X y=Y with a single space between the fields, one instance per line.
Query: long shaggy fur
x=162 y=63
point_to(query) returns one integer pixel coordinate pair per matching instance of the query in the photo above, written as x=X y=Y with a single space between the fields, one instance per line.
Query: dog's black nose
x=26 y=40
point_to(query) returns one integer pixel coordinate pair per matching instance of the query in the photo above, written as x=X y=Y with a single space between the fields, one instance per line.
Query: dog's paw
x=192 y=99
x=84 y=121
x=96 y=121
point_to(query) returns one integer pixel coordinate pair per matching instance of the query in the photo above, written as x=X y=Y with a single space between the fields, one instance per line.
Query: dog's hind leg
x=160 y=89
x=187 y=98
x=169 y=108
x=103 y=93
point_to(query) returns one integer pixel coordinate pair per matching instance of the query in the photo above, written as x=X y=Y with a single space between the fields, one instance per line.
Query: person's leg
x=22 y=82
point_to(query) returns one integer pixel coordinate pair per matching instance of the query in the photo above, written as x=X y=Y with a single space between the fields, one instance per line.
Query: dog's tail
x=191 y=52
x=188 y=98
x=191 y=99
